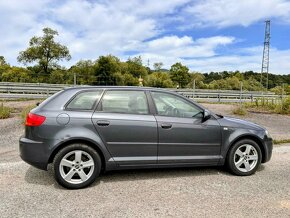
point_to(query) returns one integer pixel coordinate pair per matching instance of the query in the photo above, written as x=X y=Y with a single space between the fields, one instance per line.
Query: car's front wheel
x=244 y=157
x=76 y=166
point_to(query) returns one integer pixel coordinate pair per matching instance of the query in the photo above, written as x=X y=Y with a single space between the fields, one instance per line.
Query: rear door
x=183 y=137
x=124 y=122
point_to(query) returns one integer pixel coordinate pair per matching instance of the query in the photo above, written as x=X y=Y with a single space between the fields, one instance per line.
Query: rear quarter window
x=84 y=100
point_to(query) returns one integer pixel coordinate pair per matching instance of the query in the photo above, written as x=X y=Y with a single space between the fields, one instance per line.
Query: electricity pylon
x=265 y=60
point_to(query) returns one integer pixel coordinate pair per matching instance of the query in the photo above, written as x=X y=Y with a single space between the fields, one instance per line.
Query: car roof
x=115 y=87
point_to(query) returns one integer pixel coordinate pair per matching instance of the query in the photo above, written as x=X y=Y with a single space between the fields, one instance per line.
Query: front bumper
x=33 y=153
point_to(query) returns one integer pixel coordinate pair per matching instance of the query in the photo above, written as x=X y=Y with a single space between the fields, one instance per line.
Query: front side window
x=84 y=100
x=130 y=102
x=174 y=106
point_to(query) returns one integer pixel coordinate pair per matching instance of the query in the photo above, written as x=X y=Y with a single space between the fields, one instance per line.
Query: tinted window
x=174 y=106
x=85 y=100
x=133 y=102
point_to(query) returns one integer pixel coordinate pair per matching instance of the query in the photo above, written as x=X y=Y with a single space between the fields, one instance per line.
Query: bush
x=240 y=111
x=25 y=111
x=272 y=106
x=4 y=111
x=283 y=107
x=159 y=79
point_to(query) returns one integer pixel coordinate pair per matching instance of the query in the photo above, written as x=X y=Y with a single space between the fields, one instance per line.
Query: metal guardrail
x=46 y=85
x=226 y=95
x=43 y=90
x=22 y=96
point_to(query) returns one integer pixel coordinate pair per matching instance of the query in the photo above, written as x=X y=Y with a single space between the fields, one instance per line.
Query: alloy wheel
x=246 y=158
x=76 y=167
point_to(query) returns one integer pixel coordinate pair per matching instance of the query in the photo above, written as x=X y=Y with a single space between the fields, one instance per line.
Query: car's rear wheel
x=76 y=166
x=244 y=157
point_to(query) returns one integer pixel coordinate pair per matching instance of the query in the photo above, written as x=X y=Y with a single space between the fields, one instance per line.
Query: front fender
x=231 y=135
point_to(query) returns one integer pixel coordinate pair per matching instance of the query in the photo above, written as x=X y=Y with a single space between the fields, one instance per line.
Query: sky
x=205 y=35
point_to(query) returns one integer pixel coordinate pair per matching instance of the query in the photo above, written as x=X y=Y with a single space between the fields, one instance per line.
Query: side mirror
x=206 y=115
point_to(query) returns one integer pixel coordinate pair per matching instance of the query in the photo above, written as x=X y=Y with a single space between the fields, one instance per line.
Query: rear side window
x=85 y=100
x=131 y=102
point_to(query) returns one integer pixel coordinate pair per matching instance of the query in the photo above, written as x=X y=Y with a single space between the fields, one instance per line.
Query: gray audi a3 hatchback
x=84 y=131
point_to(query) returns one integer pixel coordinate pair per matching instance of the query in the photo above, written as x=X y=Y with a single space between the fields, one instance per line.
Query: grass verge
x=4 y=111
x=240 y=110
x=282 y=141
x=270 y=106
x=25 y=111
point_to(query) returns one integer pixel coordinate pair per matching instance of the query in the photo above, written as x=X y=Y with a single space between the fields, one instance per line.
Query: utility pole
x=241 y=93
x=265 y=59
x=282 y=96
x=193 y=93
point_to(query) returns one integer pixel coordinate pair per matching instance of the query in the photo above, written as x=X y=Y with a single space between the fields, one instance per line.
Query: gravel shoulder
x=277 y=125
x=190 y=192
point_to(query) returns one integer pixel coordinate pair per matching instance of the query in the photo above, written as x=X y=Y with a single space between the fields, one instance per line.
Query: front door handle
x=103 y=123
x=166 y=125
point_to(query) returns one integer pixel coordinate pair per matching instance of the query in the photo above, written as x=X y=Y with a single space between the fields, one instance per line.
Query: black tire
x=231 y=158
x=93 y=172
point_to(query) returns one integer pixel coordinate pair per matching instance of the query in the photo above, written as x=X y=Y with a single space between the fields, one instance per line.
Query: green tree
x=198 y=78
x=129 y=80
x=106 y=69
x=2 y=61
x=45 y=51
x=180 y=74
x=60 y=76
x=16 y=74
x=159 y=79
x=3 y=66
x=251 y=84
x=85 y=72
x=230 y=83
x=209 y=77
x=37 y=74
x=157 y=66
x=135 y=67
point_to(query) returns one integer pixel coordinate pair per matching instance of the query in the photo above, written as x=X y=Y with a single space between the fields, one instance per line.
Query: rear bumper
x=268 y=145
x=33 y=153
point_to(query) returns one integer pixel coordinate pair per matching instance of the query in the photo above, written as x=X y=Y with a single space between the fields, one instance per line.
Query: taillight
x=34 y=120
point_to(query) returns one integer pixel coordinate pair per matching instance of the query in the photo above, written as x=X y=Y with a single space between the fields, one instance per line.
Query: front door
x=124 y=123
x=183 y=137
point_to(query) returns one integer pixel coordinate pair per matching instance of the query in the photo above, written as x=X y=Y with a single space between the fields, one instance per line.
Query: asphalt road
x=192 y=192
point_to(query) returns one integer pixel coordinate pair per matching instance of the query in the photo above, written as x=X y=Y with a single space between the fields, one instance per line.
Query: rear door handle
x=166 y=125
x=103 y=123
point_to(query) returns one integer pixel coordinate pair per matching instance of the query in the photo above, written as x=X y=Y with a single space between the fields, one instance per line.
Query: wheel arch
x=81 y=141
x=250 y=137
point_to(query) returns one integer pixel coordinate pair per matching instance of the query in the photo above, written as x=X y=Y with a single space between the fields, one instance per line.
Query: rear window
x=84 y=100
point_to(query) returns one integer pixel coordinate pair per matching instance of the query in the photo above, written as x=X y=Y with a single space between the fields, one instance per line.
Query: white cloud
x=245 y=59
x=185 y=47
x=143 y=27
x=249 y=59
x=18 y=21
x=224 y=13
x=148 y=7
